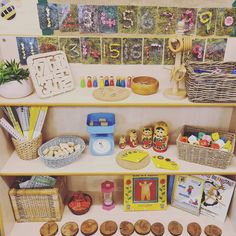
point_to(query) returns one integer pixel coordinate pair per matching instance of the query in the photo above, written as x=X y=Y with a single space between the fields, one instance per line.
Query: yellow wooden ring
x=178 y=49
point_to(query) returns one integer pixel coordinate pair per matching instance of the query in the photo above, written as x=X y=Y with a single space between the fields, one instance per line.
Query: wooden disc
x=49 y=229
x=89 y=227
x=158 y=229
x=212 y=230
x=175 y=228
x=194 y=229
x=70 y=229
x=108 y=228
x=111 y=94
x=126 y=228
x=142 y=227
x=132 y=165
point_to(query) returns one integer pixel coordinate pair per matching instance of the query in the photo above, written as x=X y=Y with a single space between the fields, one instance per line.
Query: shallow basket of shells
x=61 y=151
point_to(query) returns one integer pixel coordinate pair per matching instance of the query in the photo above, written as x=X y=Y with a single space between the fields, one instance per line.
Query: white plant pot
x=14 y=89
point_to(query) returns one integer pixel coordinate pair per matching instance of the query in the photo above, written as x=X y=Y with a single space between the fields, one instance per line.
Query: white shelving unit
x=67 y=115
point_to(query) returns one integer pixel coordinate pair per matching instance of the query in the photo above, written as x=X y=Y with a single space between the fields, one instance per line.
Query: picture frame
x=187 y=193
x=145 y=192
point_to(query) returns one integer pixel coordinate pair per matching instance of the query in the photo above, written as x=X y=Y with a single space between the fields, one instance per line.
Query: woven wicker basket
x=57 y=162
x=28 y=150
x=211 y=87
x=204 y=155
x=36 y=205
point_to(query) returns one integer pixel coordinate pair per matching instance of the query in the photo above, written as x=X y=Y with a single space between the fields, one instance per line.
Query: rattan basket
x=36 y=205
x=28 y=150
x=214 y=83
x=57 y=162
x=204 y=155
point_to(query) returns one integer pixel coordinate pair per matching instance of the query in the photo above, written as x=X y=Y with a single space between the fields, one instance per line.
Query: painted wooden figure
x=146 y=137
x=122 y=142
x=160 y=137
x=133 y=138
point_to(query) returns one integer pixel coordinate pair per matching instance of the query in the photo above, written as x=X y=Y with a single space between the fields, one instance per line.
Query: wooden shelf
x=84 y=97
x=96 y=212
x=106 y=165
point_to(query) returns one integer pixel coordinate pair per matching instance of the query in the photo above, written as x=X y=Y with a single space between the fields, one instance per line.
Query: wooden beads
x=49 y=229
x=142 y=227
x=212 y=230
x=89 y=227
x=158 y=229
x=175 y=228
x=126 y=228
x=70 y=229
x=108 y=228
x=194 y=229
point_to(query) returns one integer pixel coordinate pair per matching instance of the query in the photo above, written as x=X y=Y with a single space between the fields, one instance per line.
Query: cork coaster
x=89 y=227
x=108 y=228
x=126 y=228
x=49 y=229
x=194 y=229
x=111 y=94
x=131 y=165
x=70 y=229
x=142 y=227
x=212 y=230
x=158 y=229
x=175 y=228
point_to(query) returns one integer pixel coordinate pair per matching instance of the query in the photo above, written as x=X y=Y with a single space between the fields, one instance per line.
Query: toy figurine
x=133 y=138
x=160 y=137
x=146 y=137
x=122 y=142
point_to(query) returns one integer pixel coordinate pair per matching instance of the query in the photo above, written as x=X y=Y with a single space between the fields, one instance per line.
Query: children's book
x=187 y=193
x=170 y=186
x=217 y=195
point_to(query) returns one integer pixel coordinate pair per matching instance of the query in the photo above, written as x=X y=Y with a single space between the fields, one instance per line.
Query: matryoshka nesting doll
x=133 y=138
x=147 y=137
x=160 y=137
x=122 y=142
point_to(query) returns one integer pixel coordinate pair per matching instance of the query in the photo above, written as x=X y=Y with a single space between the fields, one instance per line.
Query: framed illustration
x=145 y=192
x=187 y=193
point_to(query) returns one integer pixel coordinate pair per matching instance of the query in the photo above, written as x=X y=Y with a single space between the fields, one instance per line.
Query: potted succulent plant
x=14 y=80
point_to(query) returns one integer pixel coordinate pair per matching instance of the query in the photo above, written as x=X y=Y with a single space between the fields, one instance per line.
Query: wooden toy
x=89 y=227
x=215 y=136
x=175 y=228
x=49 y=229
x=82 y=83
x=194 y=229
x=122 y=142
x=145 y=192
x=142 y=227
x=212 y=230
x=164 y=163
x=95 y=82
x=70 y=229
x=80 y=203
x=50 y=73
x=101 y=82
x=146 y=139
x=158 y=229
x=89 y=82
x=108 y=228
x=112 y=81
x=126 y=228
x=106 y=81
x=129 y=81
x=107 y=189
x=133 y=138
x=160 y=137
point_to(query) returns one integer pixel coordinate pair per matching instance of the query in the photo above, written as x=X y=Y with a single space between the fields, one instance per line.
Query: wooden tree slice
x=111 y=94
x=89 y=227
x=108 y=228
x=142 y=227
x=70 y=229
x=126 y=228
x=212 y=230
x=49 y=229
x=194 y=229
x=158 y=229
x=175 y=228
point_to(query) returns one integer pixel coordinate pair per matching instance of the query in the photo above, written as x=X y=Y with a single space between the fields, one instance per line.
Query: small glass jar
x=107 y=189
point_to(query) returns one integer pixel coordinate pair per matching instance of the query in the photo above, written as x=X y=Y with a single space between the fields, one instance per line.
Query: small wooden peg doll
x=160 y=137
x=133 y=138
x=146 y=137
x=122 y=142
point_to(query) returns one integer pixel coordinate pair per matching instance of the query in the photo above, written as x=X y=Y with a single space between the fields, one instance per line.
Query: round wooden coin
x=126 y=228
x=108 y=228
x=49 y=229
x=89 y=227
x=212 y=230
x=69 y=229
x=194 y=229
x=142 y=227
x=175 y=228
x=158 y=229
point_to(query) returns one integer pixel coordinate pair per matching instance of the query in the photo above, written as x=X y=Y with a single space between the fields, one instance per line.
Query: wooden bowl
x=144 y=85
